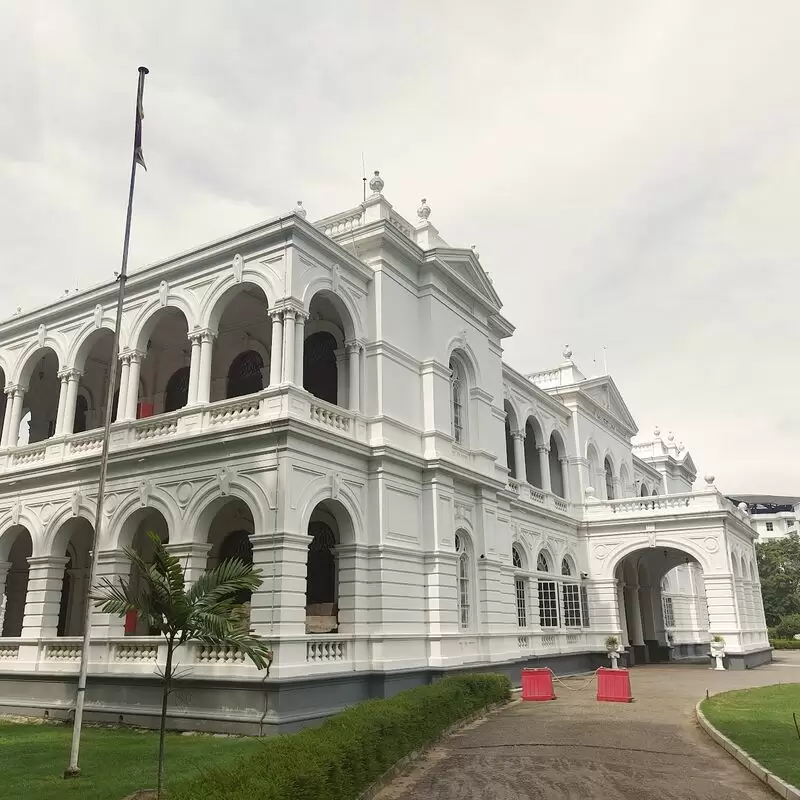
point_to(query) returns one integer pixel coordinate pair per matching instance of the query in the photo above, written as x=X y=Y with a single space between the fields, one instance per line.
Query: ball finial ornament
x=656 y=431
x=670 y=437
x=299 y=210
x=743 y=507
x=376 y=183
x=424 y=210
x=567 y=352
x=709 y=479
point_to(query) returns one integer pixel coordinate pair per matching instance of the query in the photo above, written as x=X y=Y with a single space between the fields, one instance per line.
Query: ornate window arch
x=464 y=577
x=608 y=469
x=548 y=592
x=458 y=404
x=570 y=595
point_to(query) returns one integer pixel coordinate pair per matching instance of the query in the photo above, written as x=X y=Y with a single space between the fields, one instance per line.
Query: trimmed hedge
x=785 y=644
x=349 y=752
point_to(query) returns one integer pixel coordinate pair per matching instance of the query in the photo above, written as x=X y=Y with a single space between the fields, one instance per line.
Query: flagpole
x=73 y=770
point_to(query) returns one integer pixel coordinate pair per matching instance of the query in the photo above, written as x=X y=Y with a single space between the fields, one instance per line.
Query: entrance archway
x=73 y=541
x=662 y=605
x=16 y=547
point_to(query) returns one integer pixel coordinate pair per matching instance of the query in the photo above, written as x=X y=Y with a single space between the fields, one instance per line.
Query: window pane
x=585 y=607
x=572 y=605
x=548 y=604
x=522 y=614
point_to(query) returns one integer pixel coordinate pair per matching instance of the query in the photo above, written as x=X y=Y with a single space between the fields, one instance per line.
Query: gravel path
x=577 y=748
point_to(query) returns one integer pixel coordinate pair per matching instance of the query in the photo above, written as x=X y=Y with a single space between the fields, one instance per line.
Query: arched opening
x=41 y=397
x=229 y=536
x=624 y=481
x=164 y=377
x=593 y=467
x=609 y=479
x=176 y=394
x=518 y=564
x=645 y=492
x=241 y=359
x=93 y=359
x=321 y=366
x=458 y=399
x=534 y=439
x=329 y=371
x=511 y=426
x=328 y=528
x=73 y=541
x=16 y=547
x=548 y=591
x=464 y=580
x=662 y=605
x=557 y=472
x=135 y=530
x=3 y=399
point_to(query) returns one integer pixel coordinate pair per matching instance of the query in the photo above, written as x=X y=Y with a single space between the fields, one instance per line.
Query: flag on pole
x=137 y=142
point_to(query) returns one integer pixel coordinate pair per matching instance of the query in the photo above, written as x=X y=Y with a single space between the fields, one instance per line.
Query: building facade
x=772 y=516
x=330 y=401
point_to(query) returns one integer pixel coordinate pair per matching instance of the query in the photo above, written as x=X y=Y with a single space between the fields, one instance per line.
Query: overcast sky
x=630 y=171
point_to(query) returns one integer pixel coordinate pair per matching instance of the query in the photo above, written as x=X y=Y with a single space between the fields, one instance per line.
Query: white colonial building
x=330 y=400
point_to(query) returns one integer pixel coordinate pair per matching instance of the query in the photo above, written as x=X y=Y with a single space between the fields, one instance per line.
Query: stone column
x=112 y=565
x=45 y=579
x=636 y=616
x=5 y=566
x=564 y=462
x=68 y=416
x=519 y=455
x=204 y=373
x=135 y=357
x=276 y=349
x=342 y=394
x=544 y=467
x=278 y=606
x=354 y=375
x=124 y=378
x=63 y=377
x=623 y=614
x=9 y=393
x=288 y=345
x=194 y=368
x=193 y=557
x=299 y=343
x=18 y=400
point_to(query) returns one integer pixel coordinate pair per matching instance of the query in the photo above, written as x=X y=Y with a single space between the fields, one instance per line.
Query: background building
x=772 y=516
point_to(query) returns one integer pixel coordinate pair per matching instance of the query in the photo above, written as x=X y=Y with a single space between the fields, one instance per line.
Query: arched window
x=645 y=491
x=548 y=594
x=81 y=414
x=320 y=372
x=457 y=400
x=246 y=374
x=520 y=589
x=66 y=592
x=510 y=462
x=609 y=480
x=177 y=392
x=321 y=576
x=463 y=582
x=570 y=596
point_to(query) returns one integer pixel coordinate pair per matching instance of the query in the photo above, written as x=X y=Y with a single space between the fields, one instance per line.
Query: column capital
x=542 y=448
x=70 y=374
x=195 y=336
x=11 y=389
x=276 y=314
x=518 y=435
x=352 y=345
x=188 y=548
x=133 y=355
x=563 y=460
x=47 y=561
x=111 y=555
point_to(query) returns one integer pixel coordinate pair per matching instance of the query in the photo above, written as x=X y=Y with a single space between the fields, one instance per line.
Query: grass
x=115 y=762
x=760 y=722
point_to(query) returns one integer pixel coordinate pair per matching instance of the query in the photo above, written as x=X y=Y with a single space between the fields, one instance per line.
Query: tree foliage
x=779 y=568
x=206 y=612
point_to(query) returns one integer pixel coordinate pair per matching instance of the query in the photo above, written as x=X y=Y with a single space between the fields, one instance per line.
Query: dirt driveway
x=577 y=748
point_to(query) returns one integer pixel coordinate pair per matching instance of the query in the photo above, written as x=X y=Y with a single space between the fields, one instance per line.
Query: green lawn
x=114 y=762
x=760 y=722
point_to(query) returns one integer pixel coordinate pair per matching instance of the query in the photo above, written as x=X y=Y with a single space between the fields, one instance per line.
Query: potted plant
x=612 y=645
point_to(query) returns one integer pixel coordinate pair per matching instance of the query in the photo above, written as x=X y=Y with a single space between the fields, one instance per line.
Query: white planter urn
x=613 y=654
x=718 y=653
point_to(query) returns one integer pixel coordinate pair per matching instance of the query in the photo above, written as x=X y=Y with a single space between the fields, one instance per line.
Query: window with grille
x=770 y=526
x=566 y=568
x=516 y=559
x=246 y=374
x=571 y=598
x=176 y=394
x=585 y=608
x=669 y=613
x=548 y=604
x=457 y=392
x=522 y=612
x=542 y=564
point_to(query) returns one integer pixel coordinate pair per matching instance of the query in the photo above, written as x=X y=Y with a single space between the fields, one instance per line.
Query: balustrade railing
x=218 y=654
x=231 y=413
x=136 y=652
x=322 y=651
x=29 y=454
x=342 y=223
x=63 y=652
x=330 y=417
x=9 y=652
x=154 y=428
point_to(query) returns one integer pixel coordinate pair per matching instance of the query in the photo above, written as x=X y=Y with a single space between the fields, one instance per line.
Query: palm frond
x=227 y=579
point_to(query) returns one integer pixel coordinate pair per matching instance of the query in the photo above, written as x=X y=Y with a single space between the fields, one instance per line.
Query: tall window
x=321 y=575
x=246 y=374
x=177 y=393
x=519 y=589
x=609 y=480
x=585 y=607
x=320 y=373
x=457 y=400
x=463 y=582
x=238 y=545
x=571 y=597
x=548 y=595
x=80 y=423
x=669 y=612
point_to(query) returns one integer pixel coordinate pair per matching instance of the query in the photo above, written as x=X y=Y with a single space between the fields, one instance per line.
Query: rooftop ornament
x=299 y=210
x=424 y=211
x=376 y=183
x=567 y=352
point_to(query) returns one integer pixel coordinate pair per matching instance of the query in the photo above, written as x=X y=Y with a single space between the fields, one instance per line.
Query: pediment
x=604 y=392
x=466 y=269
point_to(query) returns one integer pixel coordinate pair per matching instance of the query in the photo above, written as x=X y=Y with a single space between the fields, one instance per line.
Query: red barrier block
x=537 y=684
x=614 y=685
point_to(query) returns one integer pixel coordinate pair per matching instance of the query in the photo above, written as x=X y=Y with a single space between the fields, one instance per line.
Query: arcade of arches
x=44 y=597
x=172 y=367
